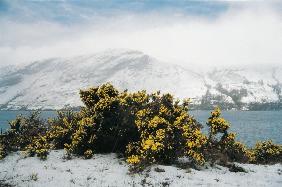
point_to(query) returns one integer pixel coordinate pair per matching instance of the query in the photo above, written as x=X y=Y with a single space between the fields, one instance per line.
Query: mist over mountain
x=55 y=83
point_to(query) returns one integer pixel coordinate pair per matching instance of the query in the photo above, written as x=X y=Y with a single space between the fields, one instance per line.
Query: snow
x=109 y=170
x=55 y=83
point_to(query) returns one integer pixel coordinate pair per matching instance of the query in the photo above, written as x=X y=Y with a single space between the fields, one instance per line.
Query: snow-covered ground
x=109 y=170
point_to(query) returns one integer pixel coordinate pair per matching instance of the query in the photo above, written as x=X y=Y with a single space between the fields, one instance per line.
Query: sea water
x=250 y=126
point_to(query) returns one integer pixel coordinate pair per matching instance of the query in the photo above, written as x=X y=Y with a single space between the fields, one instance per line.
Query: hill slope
x=55 y=83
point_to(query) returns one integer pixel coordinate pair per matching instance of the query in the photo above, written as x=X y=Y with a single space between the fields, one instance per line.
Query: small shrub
x=22 y=132
x=62 y=128
x=88 y=154
x=3 y=152
x=159 y=170
x=39 y=147
x=234 y=150
x=33 y=177
x=83 y=138
x=266 y=152
x=59 y=133
x=217 y=124
x=235 y=168
x=221 y=145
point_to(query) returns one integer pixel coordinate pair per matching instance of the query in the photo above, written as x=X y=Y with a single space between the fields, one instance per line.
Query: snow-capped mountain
x=55 y=83
x=245 y=88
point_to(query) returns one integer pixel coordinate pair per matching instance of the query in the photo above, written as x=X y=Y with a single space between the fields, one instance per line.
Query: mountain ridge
x=54 y=83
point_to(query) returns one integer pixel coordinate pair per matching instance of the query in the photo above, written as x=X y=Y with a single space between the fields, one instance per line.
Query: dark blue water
x=6 y=116
x=250 y=126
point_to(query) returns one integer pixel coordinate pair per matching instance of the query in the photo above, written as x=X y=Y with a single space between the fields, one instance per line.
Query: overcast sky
x=190 y=33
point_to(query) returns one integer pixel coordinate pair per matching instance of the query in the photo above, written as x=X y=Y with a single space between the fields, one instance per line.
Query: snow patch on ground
x=109 y=170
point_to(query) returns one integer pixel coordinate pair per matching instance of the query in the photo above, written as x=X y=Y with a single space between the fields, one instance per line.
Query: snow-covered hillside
x=55 y=83
x=243 y=87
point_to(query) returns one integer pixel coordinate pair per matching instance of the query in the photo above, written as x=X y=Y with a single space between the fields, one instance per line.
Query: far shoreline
x=51 y=110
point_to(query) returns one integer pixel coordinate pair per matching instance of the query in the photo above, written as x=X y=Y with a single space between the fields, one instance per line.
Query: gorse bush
x=221 y=145
x=105 y=124
x=267 y=152
x=234 y=150
x=3 y=151
x=23 y=130
x=217 y=124
x=114 y=115
x=147 y=128
x=39 y=146
x=62 y=128
x=144 y=128
x=166 y=132
x=60 y=134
